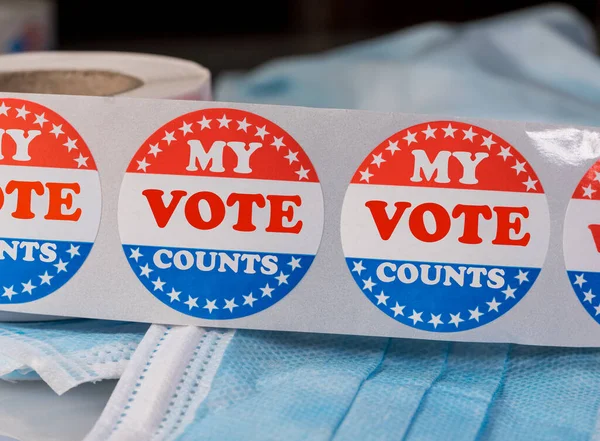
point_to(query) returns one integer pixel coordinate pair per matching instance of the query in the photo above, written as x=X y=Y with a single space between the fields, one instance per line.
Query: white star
x=39 y=119
x=61 y=266
x=522 y=276
x=230 y=304
x=22 y=113
x=294 y=263
x=429 y=132
x=74 y=251
x=302 y=173
x=504 y=152
x=377 y=160
x=262 y=132
x=449 y=132
x=9 y=292
x=154 y=150
x=57 y=130
x=146 y=270
x=588 y=191
x=475 y=314
x=174 y=295
x=224 y=122
x=530 y=183
x=487 y=141
x=291 y=156
x=579 y=280
x=410 y=137
x=597 y=177
x=28 y=287
x=369 y=284
x=398 y=310
x=436 y=319
x=158 y=284
x=469 y=134
x=169 y=137
x=135 y=254
x=266 y=291
x=415 y=317
x=493 y=305
x=455 y=319
x=210 y=305
x=249 y=300
x=70 y=144
x=393 y=147
x=509 y=292
x=382 y=298
x=243 y=125
x=4 y=109
x=205 y=123
x=191 y=302
x=46 y=278
x=588 y=296
x=282 y=278
x=358 y=267
x=81 y=161
x=186 y=128
x=277 y=142
x=597 y=308
x=365 y=175
x=519 y=166
x=143 y=165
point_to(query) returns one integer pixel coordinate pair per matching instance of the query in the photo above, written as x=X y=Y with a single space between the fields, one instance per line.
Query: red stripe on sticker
x=34 y=136
x=224 y=143
x=448 y=154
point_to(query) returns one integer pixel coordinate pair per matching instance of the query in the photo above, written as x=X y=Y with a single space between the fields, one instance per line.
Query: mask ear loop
x=159 y=382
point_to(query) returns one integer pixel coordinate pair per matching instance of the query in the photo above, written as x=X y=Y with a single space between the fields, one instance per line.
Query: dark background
x=230 y=34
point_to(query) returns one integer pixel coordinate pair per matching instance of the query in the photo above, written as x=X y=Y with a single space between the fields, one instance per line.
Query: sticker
x=581 y=241
x=50 y=201
x=445 y=226
x=220 y=214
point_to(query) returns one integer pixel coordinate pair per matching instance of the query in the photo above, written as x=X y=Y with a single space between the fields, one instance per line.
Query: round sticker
x=50 y=201
x=445 y=226
x=220 y=213
x=581 y=241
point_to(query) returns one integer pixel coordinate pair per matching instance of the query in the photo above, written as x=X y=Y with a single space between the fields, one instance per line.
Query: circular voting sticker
x=50 y=201
x=445 y=226
x=581 y=241
x=220 y=214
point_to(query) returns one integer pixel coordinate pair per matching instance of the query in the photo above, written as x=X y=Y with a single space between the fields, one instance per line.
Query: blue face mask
x=189 y=383
x=270 y=386
x=67 y=353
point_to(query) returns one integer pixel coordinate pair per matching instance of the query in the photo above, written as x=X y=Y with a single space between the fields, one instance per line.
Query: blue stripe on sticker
x=32 y=269
x=441 y=297
x=216 y=284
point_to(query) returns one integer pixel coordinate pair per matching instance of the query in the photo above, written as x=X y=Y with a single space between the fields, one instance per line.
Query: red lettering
x=471 y=226
x=57 y=200
x=192 y=210
x=386 y=225
x=416 y=222
x=245 y=203
x=594 y=228
x=505 y=226
x=24 y=191
x=278 y=214
x=162 y=214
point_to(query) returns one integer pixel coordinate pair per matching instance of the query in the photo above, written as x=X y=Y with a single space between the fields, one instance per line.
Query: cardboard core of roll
x=68 y=82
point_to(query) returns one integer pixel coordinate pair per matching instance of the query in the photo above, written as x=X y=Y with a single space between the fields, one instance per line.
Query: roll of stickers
x=94 y=74
x=297 y=219
x=27 y=25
